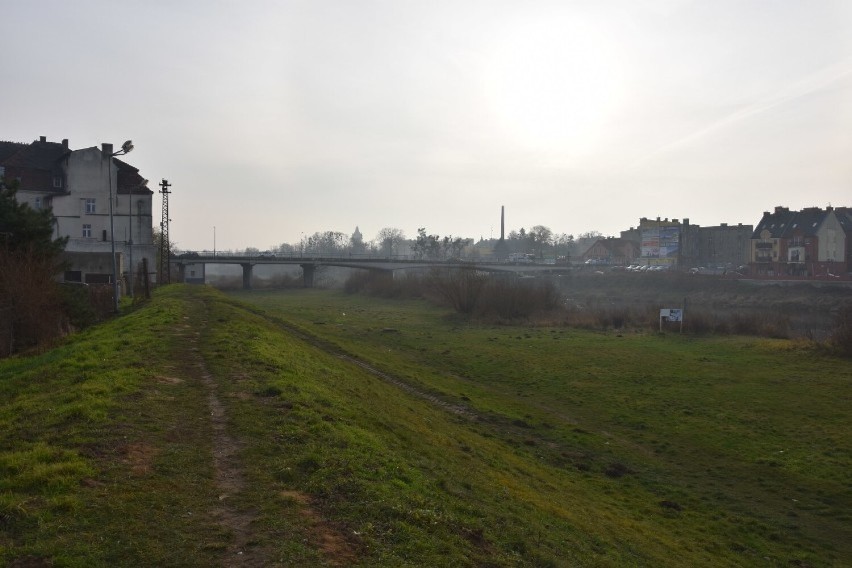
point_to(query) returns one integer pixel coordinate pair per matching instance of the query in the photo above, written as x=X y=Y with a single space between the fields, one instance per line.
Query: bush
x=31 y=311
x=512 y=298
x=841 y=335
x=384 y=284
x=79 y=307
x=459 y=287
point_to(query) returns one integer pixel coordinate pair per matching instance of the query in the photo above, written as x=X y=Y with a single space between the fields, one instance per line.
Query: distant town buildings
x=673 y=244
x=76 y=185
x=810 y=242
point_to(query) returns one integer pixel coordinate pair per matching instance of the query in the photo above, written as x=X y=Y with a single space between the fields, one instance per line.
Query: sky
x=273 y=120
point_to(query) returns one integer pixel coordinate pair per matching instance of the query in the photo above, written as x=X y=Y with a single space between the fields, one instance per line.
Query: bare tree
x=459 y=286
x=31 y=311
x=540 y=236
x=327 y=243
x=562 y=244
x=425 y=245
x=389 y=239
x=590 y=235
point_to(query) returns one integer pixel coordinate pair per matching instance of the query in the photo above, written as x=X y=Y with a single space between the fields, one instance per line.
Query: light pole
x=125 y=148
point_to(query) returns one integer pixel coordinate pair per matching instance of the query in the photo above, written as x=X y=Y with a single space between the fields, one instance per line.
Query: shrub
x=512 y=298
x=460 y=287
x=841 y=335
x=384 y=284
x=31 y=310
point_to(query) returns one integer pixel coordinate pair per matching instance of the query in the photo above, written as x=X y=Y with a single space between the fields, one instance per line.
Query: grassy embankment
x=480 y=446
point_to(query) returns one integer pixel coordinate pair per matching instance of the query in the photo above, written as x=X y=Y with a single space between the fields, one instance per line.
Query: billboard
x=660 y=242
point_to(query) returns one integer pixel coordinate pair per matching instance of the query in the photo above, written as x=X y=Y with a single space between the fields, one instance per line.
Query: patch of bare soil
x=331 y=542
x=168 y=380
x=138 y=456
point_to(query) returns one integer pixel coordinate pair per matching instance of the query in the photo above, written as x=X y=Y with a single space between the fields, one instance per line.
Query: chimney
x=42 y=138
x=686 y=221
x=65 y=143
x=106 y=149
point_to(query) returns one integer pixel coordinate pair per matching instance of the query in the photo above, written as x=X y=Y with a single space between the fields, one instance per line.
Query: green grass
x=749 y=438
x=573 y=448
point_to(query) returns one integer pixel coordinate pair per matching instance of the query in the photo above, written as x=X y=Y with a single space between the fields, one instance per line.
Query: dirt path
x=228 y=473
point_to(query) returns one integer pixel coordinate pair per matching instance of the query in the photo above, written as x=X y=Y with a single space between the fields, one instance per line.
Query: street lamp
x=125 y=148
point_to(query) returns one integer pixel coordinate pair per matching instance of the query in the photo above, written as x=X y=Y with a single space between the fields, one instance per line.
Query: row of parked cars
x=646 y=268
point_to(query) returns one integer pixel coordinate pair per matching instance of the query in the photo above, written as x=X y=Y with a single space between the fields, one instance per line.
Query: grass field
x=311 y=428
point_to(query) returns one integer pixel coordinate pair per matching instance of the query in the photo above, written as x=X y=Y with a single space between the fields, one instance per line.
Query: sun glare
x=553 y=84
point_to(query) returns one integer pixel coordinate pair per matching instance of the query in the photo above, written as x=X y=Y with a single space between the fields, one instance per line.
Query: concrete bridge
x=309 y=264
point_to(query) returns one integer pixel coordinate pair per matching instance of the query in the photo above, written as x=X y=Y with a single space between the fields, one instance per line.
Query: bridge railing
x=319 y=256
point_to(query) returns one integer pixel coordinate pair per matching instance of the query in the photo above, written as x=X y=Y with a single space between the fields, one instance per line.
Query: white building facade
x=77 y=184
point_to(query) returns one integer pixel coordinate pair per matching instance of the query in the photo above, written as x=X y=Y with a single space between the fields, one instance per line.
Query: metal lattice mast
x=165 y=246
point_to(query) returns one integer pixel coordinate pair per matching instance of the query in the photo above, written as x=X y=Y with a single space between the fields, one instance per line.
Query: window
x=38 y=202
x=87 y=231
x=90 y=205
x=57 y=181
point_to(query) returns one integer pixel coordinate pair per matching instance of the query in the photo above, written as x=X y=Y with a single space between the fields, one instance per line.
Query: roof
x=613 y=245
x=8 y=149
x=784 y=223
x=776 y=223
x=807 y=221
x=37 y=156
x=844 y=216
x=129 y=180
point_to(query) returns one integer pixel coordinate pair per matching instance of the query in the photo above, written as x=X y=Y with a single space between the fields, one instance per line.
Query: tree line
x=539 y=241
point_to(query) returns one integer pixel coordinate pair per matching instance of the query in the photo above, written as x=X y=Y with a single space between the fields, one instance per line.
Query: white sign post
x=671 y=314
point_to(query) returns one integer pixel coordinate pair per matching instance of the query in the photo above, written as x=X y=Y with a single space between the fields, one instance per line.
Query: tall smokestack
x=502 y=222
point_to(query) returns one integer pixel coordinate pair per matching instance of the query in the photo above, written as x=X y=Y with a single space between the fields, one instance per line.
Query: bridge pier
x=308 y=274
x=246 y=276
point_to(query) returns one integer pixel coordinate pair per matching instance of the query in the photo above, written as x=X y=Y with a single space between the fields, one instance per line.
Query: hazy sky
x=276 y=118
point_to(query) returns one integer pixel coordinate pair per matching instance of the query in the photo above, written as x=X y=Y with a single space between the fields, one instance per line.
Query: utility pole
x=165 y=247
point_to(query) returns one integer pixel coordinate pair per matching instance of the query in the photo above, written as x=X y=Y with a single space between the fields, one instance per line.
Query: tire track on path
x=336 y=351
x=228 y=472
